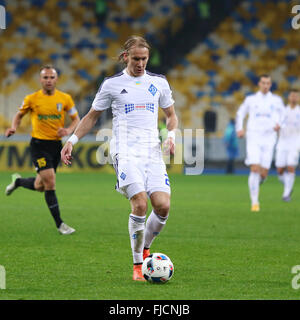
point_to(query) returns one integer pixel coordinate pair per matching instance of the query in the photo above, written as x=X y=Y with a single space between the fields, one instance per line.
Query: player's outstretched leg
x=281 y=177
x=13 y=185
x=154 y=225
x=157 y=219
x=136 y=228
x=253 y=183
x=52 y=203
x=17 y=181
x=46 y=182
x=65 y=229
x=289 y=180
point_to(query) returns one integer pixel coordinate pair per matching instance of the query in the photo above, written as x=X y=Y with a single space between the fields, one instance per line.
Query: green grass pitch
x=219 y=248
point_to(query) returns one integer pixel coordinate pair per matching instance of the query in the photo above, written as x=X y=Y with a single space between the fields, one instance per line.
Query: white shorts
x=135 y=175
x=259 y=151
x=286 y=157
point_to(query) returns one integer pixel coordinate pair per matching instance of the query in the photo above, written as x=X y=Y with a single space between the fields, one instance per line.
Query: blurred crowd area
x=212 y=52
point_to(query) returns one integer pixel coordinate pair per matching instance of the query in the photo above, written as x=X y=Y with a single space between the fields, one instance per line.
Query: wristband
x=171 y=134
x=73 y=139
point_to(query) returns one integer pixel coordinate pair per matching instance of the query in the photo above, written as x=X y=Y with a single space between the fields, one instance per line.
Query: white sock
x=289 y=180
x=136 y=227
x=281 y=177
x=154 y=225
x=253 y=183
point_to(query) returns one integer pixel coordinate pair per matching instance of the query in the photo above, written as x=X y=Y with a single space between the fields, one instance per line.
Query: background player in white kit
x=287 y=149
x=265 y=111
x=135 y=95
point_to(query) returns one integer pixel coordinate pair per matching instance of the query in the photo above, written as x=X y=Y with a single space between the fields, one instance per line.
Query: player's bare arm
x=15 y=124
x=172 y=123
x=84 y=127
x=66 y=131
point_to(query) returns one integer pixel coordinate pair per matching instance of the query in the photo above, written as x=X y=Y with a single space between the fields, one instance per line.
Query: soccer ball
x=157 y=268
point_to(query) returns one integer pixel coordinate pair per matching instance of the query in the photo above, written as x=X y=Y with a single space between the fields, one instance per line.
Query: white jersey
x=134 y=102
x=289 y=134
x=264 y=110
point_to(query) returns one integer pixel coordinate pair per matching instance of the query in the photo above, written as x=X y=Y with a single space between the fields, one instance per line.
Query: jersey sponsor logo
x=59 y=107
x=139 y=106
x=129 y=107
x=49 y=116
x=150 y=107
x=152 y=89
x=123 y=91
x=261 y=114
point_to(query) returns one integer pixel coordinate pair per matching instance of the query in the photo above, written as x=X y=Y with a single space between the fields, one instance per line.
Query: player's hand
x=277 y=127
x=240 y=133
x=66 y=153
x=61 y=132
x=9 y=132
x=168 y=146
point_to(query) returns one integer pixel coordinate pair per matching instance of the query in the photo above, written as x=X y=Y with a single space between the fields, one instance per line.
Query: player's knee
x=280 y=171
x=290 y=169
x=48 y=182
x=38 y=185
x=139 y=207
x=162 y=209
x=39 y=188
x=139 y=204
x=255 y=168
x=49 y=185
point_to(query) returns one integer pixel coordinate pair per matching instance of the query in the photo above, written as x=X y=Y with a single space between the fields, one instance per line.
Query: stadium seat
x=256 y=38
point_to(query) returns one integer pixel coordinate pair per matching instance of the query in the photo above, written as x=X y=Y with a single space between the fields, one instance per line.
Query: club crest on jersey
x=59 y=107
x=152 y=89
x=123 y=176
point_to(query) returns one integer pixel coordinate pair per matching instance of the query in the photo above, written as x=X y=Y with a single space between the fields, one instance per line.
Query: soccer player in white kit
x=287 y=148
x=264 y=111
x=135 y=96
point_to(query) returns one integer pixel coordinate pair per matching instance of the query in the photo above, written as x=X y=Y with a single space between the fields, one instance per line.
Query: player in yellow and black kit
x=47 y=109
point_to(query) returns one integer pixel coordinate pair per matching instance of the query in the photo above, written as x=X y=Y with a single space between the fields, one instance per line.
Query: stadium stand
x=69 y=35
x=216 y=75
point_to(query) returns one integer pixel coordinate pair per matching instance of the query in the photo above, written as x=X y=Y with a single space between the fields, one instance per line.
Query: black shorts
x=45 y=154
